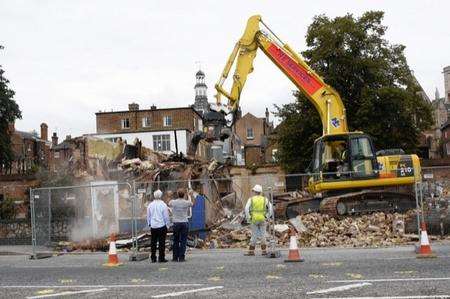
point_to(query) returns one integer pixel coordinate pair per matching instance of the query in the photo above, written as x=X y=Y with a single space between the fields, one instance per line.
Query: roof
x=147 y=110
x=200 y=73
x=62 y=145
x=28 y=135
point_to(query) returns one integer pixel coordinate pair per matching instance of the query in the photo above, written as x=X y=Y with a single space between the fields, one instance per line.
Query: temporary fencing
x=95 y=210
x=78 y=213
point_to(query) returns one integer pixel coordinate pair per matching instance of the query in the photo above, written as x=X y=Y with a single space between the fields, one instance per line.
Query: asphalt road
x=228 y=274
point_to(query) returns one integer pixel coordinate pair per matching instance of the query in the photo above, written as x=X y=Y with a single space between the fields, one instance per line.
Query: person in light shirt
x=158 y=220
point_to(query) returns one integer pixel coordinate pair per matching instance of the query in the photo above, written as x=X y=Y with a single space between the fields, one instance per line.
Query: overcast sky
x=67 y=60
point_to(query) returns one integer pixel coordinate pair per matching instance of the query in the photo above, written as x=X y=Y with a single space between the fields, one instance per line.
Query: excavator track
x=367 y=201
x=352 y=203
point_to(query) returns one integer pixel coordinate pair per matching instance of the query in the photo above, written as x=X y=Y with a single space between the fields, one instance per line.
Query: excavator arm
x=324 y=98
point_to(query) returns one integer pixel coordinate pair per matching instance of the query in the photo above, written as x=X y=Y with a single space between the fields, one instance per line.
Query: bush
x=7 y=209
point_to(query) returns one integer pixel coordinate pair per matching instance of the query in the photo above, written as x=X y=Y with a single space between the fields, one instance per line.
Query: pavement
x=325 y=273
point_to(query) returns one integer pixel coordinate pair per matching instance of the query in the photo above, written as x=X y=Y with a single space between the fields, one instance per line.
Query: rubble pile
x=319 y=230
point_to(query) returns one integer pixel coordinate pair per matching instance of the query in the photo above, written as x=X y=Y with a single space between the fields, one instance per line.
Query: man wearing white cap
x=158 y=220
x=257 y=210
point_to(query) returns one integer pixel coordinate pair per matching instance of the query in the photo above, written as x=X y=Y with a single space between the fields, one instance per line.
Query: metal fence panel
x=79 y=213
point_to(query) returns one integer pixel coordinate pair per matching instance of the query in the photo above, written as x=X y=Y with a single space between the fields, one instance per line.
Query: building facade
x=30 y=150
x=161 y=129
x=253 y=133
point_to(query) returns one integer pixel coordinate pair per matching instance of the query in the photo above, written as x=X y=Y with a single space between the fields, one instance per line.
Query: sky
x=67 y=60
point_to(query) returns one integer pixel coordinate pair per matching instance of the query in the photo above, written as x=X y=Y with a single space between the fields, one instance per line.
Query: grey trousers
x=258 y=232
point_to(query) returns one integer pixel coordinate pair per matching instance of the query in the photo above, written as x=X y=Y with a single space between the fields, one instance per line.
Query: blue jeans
x=180 y=233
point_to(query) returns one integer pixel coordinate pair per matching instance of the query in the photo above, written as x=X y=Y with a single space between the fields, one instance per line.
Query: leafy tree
x=9 y=112
x=373 y=78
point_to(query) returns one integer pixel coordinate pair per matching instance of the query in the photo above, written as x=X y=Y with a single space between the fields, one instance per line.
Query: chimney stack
x=153 y=107
x=54 y=139
x=44 y=131
x=267 y=115
x=133 y=107
x=68 y=137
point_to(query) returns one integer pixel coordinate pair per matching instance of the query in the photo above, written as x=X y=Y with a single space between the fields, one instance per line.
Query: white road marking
x=68 y=293
x=340 y=288
x=101 y=286
x=392 y=279
x=393 y=297
x=174 y=294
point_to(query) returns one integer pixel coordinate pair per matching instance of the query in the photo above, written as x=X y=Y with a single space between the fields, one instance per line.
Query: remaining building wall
x=244 y=179
x=250 y=121
x=17 y=187
x=182 y=118
x=253 y=155
x=183 y=137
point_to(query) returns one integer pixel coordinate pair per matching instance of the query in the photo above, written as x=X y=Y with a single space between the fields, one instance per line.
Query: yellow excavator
x=347 y=174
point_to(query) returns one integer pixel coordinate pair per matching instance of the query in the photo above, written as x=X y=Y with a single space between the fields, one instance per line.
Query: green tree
x=9 y=112
x=373 y=78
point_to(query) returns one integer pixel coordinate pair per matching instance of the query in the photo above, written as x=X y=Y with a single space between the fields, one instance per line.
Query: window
x=362 y=156
x=250 y=133
x=167 y=121
x=161 y=142
x=125 y=123
x=146 y=122
x=274 y=155
x=447 y=147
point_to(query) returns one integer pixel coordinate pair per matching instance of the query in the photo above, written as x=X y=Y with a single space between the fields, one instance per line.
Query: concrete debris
x=298 y=224
x=281 y=228
x=317 y=230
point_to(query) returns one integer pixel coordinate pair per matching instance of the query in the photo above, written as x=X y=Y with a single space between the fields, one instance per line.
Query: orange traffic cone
x=294 y=252
x=113 y=258
x=425 y=248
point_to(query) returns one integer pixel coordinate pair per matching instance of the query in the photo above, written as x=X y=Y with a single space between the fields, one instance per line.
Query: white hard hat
x=257 y=188
x=157 y=194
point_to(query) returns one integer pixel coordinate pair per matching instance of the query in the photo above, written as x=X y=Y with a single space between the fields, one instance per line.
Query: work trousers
x=258 y=232
x=158 y=236
x=180 y=234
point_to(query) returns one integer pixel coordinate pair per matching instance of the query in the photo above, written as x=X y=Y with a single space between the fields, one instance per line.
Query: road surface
x=335 y=273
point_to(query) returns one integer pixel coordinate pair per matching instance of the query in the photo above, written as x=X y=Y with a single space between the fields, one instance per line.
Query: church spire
x=201 y=98
x=436 y=94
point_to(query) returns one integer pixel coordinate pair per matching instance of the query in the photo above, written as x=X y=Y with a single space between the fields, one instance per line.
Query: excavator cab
x=343 y=157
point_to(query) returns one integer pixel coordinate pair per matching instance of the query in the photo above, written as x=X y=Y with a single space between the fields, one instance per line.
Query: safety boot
x=263 y=249
x=251 y=251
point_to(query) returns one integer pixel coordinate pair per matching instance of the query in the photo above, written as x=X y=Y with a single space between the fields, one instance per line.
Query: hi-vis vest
x=258 y=208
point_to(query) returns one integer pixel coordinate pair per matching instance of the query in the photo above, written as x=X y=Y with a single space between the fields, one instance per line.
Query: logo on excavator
x=335 y=122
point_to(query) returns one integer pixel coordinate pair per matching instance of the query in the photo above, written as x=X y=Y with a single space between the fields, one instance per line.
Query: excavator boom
x=324 y=98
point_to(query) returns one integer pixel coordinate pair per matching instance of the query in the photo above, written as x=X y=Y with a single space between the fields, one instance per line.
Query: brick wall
x=182 y=118
x=251 y=121
x=253 y=155
x=17 y=187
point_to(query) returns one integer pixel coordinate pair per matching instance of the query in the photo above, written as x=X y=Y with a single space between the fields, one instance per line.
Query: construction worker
x=257 y=210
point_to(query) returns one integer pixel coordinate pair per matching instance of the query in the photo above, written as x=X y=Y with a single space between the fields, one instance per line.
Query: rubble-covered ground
x=318 y=230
